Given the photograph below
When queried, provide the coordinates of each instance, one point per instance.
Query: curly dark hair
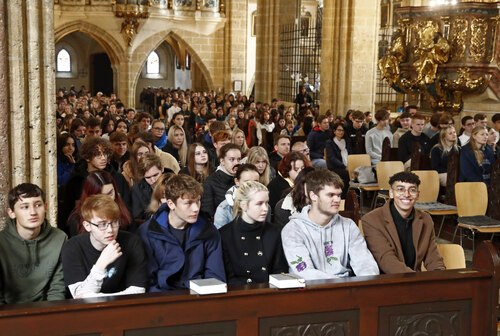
(95, 146)
(406, 177)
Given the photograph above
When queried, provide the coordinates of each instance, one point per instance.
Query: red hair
(93, 185)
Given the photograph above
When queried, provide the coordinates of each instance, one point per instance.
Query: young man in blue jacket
(180, 245)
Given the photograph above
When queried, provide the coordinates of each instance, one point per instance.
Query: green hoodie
(31, 270)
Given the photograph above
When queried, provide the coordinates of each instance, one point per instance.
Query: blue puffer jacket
(201, 256)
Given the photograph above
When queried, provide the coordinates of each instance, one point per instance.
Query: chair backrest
(357, 160)
(494, 204)
(385, 169)
(453, 255)
(452, 177)
(351, 206)
(472, 198)
(386, 150)
(429, 185)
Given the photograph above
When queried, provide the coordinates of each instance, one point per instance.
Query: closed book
(208, 286)
(286, 281)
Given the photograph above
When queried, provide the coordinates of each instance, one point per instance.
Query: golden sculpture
(432, 50)
(129, 28)
(389, 64)
(444, 53)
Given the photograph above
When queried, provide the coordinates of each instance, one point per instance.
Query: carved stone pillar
(270, 14)
(28, 132)
(235, 44)
(348, 55)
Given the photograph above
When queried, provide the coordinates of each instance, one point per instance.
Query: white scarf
(343, 151)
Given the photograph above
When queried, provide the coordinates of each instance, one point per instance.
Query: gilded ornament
(459, 30)
(478, 39)
(389, 64)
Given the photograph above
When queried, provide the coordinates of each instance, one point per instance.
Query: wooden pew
(458, 302)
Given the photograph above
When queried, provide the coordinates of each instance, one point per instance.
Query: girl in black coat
(251, 247)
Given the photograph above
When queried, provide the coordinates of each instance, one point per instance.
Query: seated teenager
(258, 156)
(216, 185)
(294, 201)
(224, 213)
(288, 169)
(97, 182)
(103, 261)
(198, 165)
(180, 245)
(337, 150)
(30, 250)
(439, 153)
(321, 244)
(251, 246)
(401, 237)
(150, 169)
(476, 158)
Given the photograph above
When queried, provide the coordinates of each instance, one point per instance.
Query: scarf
(343, 151)
(162, 141)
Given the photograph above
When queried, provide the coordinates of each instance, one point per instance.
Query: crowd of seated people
(220, 186)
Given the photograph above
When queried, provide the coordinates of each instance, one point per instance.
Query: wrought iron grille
(385, 95)
(299, 58)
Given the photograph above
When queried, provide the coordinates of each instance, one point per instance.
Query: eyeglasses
(159, 129)
(400, 191)
(104, 226)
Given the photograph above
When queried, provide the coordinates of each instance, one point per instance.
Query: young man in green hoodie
(30, 249)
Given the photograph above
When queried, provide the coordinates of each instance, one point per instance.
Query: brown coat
(382, 239)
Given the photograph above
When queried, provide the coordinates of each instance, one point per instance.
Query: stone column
(235, 43)
(348, 55)
(28, 134)
(270, 14)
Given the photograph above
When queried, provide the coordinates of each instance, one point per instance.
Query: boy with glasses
(103, 261)
(355, 133)
(468, 124)
(392, 230)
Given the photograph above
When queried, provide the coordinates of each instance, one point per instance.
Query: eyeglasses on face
(160, 129)
(104, 226)
(400, 191)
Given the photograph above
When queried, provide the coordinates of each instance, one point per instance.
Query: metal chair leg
(454, 234)
(473, 241)
(441, 227)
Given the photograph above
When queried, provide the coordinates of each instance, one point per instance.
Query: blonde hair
(253, 155)
(476, 148)
(183, 150)
(244, 193)
(244, 148)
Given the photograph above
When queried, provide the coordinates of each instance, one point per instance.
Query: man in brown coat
(399, 236)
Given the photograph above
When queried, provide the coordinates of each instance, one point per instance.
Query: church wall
(251, 46)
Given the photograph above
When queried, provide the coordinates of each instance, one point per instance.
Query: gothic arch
(114, 50)
(177, 43)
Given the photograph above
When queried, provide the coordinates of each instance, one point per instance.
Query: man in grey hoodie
(321, 244)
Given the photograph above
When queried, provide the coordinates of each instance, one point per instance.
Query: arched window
(153, 64)
(63, 63)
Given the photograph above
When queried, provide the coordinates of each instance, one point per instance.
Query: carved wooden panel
(436, 318)
(342, 323)
(203, 329)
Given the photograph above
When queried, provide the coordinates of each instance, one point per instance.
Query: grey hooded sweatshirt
(323, 252)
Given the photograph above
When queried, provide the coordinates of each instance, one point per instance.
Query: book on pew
(208, 286)
(286, 280)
